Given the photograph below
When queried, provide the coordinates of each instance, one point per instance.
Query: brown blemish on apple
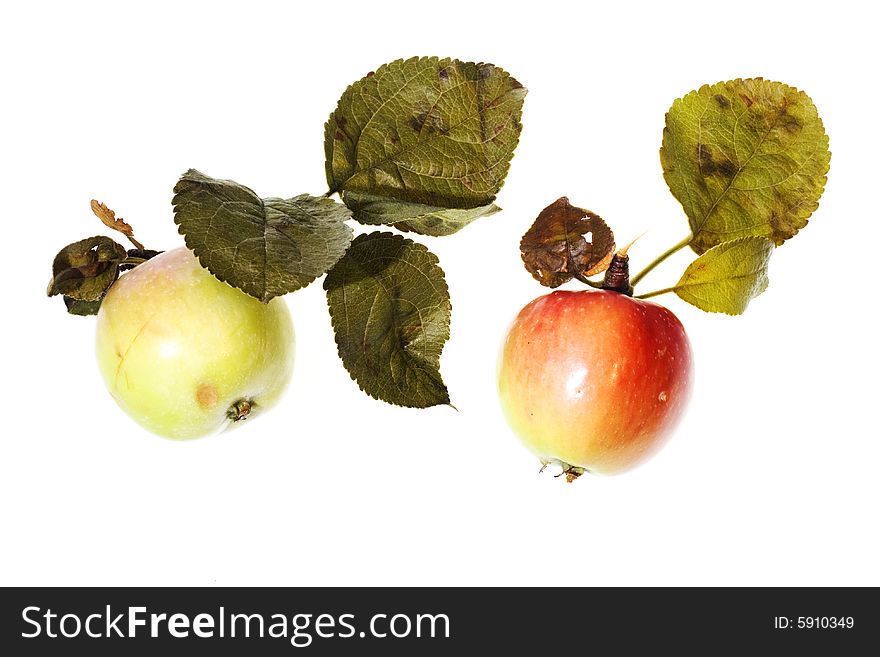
(207, 396)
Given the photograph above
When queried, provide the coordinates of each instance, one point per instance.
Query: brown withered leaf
(85, 270)
(109, 219)
(566, 241)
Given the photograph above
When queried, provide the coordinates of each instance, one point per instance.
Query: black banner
(395, 621)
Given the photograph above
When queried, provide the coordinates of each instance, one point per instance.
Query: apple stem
(583, 279)
(675, 249)
(656, 293)
(617, 275)
(240, 410)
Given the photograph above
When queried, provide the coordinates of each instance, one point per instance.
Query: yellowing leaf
(726, 277)
(745, 158)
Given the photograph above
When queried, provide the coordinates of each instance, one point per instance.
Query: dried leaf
(109, 219)
(85, 270)
(566, 241)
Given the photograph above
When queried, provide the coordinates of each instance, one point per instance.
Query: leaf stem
(133, 261)
(663, 256)
(583, 279)
(656, 293)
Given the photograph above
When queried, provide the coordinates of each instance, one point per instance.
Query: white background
(771, 479)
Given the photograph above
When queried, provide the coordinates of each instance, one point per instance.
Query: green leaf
(426, 131)
(413, 217)
(82, 308)
(390, 309)
(265, 247)
(566, 241)
(745, 157)
(85, 270)
(726, 277)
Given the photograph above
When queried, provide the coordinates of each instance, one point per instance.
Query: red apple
(594, 380)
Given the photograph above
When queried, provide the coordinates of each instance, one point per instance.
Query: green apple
(186, 355)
